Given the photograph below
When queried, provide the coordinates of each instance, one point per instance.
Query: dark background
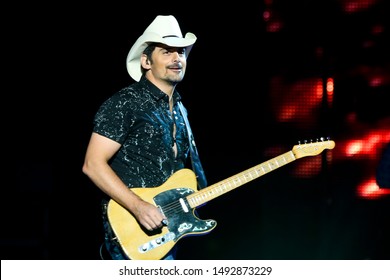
(62, 61)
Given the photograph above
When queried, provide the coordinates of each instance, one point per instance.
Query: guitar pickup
(156, 242)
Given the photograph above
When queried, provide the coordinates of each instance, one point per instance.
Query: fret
(250, 174)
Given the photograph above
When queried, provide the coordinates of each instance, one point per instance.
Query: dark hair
(148, 52)
(149, 49)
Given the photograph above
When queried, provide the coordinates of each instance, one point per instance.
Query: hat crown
(165, 26)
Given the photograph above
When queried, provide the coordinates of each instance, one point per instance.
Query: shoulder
(124, 95)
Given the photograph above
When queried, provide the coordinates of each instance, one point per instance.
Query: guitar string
(172, 207)
(175, 206)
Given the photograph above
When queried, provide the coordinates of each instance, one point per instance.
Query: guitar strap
(196, 164)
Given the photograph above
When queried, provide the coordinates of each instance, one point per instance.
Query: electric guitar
(178, 198)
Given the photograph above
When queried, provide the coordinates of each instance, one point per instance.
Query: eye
(180, 51)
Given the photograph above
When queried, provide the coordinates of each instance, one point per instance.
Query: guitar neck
(233, 182)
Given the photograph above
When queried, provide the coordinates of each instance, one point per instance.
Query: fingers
(155, 224)
(151, 217)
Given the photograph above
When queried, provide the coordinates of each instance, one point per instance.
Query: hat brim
(133, 63)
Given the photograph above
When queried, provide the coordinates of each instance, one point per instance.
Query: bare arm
(99, 151)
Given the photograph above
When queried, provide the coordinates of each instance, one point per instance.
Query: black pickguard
(181, 218)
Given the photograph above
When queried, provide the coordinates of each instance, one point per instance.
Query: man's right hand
(149, 215)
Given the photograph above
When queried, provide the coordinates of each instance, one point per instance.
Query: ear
(145, 63)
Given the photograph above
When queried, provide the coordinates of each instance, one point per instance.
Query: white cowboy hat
(165, 30)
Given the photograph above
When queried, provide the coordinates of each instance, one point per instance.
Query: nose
(175, 56)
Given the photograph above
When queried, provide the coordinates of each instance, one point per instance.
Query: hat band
(171, 36)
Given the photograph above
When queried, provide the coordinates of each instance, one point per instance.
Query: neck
(170, 102)
(167, 89)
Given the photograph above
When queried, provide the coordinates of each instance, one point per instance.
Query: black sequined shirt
(138, 118)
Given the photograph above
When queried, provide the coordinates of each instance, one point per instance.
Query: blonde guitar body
(141, 244)
(178, 198)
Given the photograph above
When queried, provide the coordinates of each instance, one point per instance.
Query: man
(140, 137)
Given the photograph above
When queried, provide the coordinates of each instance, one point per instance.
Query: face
(167, 64)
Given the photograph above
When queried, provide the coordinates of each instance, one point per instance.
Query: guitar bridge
(154, 243)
